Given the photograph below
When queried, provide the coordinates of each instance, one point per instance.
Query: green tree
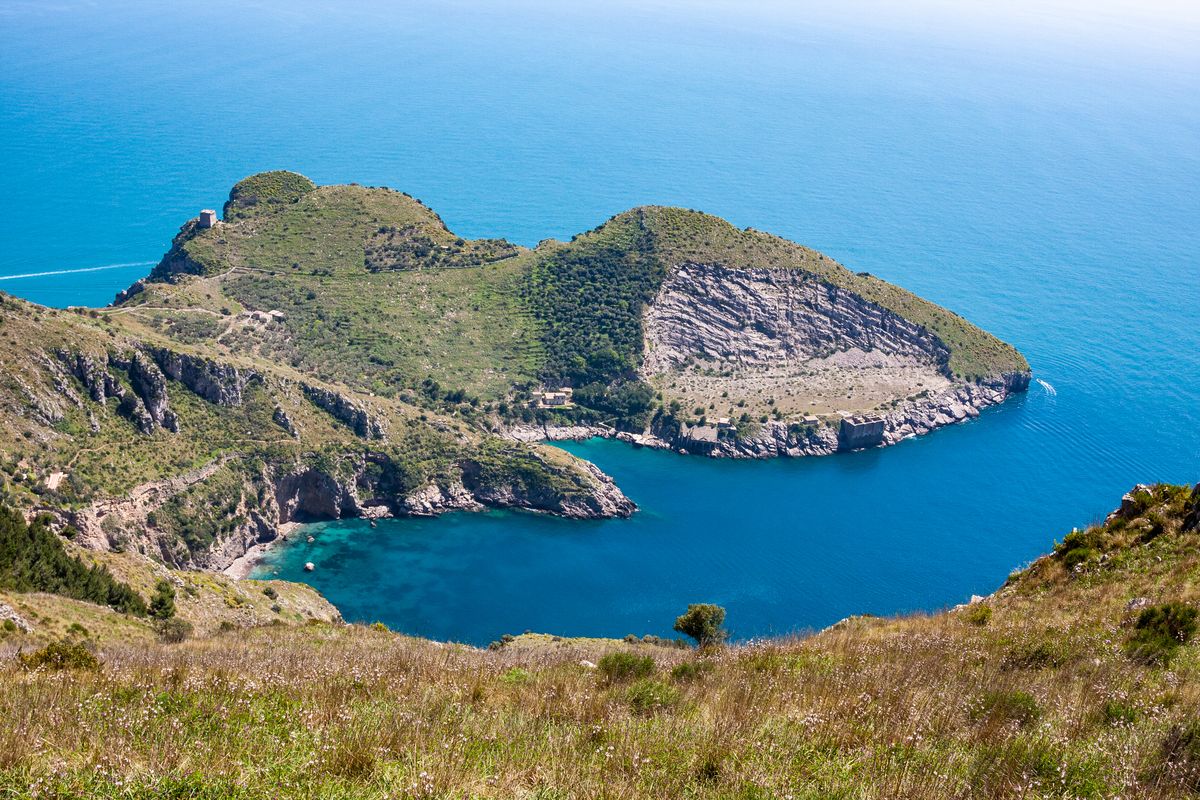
(162, 605)
(703, 622)
(33, 559)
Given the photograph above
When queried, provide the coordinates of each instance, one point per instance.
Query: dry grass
(1037, 700)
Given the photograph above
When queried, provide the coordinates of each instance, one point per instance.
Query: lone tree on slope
(703, 623)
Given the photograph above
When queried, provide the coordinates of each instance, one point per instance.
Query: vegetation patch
(624, 666)
(1160, 631)
(33, 559)
(60, 656)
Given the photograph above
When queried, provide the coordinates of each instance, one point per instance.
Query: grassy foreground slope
(1066, 683)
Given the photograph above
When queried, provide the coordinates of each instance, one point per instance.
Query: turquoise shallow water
(1045, 186)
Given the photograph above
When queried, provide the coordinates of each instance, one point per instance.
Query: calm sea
(1041, 177)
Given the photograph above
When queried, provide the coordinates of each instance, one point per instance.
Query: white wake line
(1050, 390)
(73, 271)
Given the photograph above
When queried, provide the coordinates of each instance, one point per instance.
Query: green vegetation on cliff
(378, 292)
(32, 559)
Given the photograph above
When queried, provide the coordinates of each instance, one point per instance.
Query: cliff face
(370, 485)
(801, 353)
(761, 317)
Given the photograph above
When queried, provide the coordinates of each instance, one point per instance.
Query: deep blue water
(1038, 174)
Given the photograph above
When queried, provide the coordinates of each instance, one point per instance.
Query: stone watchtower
(208, 218)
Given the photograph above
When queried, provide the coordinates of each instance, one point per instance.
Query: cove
(785, 545)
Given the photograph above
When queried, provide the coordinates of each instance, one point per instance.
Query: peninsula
(321, 352)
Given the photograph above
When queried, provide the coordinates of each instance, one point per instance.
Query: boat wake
(1050, 390)
(73, 271)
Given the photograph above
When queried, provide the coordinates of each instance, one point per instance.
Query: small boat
(309, 567)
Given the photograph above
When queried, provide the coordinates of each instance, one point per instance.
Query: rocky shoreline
(357, 486)
(773, 439)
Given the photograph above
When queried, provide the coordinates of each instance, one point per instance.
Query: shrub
(703, 622)
(1118, 714)
(978, 614)
(380, 627)
(173, 630)
(516, 676)
(60, 655)
(162, 605)
(621, 666)
(1036, 655)
(688, 671)
(1077, 556)
(1159, 631)
(9, 626)
(650, 696)
(1008, 706)
(270, 592)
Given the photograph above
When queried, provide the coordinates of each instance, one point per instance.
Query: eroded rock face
(280, 417)
(763, 316)
(344, 410)
(93, 376)
(8, 613)
(789, 336)
(310, 493)
(221, 384)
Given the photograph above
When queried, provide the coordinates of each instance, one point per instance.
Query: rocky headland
(329, 352)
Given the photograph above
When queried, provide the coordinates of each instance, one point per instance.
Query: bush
(1077, 556)
(162, 605)
(270, 592)
(621, 666)
(9, 626)
(60, 655)
(1118, 714)
(703, 622)
(1037, 655)
(1008, 706)
(689, 671)
(650, 696)
(1159, 631)
(978, 614)
(516, 676)
(173, 630)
